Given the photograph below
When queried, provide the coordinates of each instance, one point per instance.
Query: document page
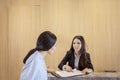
(69, 74)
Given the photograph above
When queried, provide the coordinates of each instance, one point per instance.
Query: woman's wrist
(64, 68)
(90, 70)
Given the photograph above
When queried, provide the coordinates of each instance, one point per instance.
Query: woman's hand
(68, 68)
(86, 70)
(50, 70)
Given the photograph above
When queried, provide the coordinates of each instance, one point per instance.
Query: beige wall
(21, 21)
(4, 50)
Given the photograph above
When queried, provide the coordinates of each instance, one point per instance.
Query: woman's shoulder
(35, 57)
(70, 52)
(87, 53)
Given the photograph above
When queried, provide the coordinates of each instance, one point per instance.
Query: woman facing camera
(77, 57)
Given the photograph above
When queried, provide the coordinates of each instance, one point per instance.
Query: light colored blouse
(77, 58)
(34, 68)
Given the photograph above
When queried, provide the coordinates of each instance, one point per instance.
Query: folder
(62, 74)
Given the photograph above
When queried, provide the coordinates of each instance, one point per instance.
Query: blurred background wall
(21, 22)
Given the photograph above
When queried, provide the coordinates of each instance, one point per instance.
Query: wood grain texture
(4, 49)
(23, 20)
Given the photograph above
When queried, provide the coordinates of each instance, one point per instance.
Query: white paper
(69, 74)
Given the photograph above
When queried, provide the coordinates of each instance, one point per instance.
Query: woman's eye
(73, 43)
(78, 43)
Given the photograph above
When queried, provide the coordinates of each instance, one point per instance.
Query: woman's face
(51, 50)
(77, 45)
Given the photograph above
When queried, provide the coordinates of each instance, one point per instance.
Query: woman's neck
(77, 53)
(43, 53)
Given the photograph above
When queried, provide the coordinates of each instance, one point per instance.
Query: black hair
(83, 58)
(45, 41)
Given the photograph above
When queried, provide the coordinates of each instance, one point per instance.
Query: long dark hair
(83, 59)
(45, 41)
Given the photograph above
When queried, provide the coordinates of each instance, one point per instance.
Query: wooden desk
(91, 76)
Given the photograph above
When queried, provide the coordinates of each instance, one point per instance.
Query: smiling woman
(77, 57)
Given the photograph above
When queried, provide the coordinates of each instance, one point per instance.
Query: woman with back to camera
(77, 57)
(34, 64)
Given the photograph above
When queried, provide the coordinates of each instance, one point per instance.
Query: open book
(62, 74)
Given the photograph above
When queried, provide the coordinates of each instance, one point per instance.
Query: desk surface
(92, 76)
